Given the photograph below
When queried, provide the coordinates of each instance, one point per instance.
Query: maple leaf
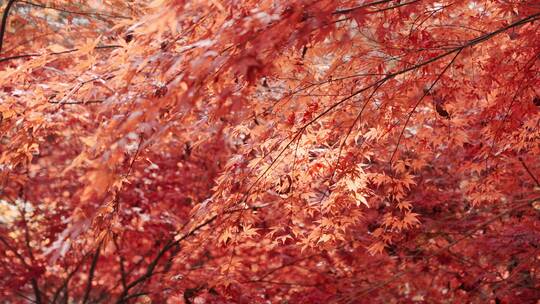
(376, 248)
(362, 200)
(410, 219)
(283, 238)
(249, 231)
(324, 238)
(404, 205)
(225, 236)
(372, 134)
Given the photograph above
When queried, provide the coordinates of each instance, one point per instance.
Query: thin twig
(352, 9)
(65, 283)
(33, 281)
(426, 92)
(529, 171)
(112, 46)
(85, 13)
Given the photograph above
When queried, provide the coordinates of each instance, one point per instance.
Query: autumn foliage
(284, 151)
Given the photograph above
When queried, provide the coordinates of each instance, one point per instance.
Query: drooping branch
(329, 109)
(426, 92)
(143, 272)
(356, 120)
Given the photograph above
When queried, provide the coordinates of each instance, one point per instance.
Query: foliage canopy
(270, 151)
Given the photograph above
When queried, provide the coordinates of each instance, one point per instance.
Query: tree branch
(529, 171)
(26, 232)
(33, 281)
(123, 275)
(91, 274)
(77, 102)
(148, 273)
(426, 92)
(113, 46)
(85, 13)
(470, 43)
(352, 9)
(4, 22)
(170, 244)
(64, 284)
